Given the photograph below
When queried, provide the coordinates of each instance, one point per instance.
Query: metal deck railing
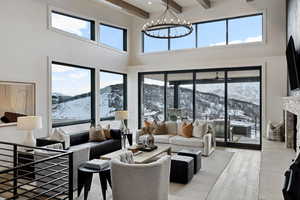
(35, 172)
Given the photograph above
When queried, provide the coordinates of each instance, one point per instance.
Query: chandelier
(168, 26)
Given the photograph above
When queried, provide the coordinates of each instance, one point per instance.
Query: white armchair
(141, 181)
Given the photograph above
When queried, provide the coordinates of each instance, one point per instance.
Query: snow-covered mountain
(243, 102)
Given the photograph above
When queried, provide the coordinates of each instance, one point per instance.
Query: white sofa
(207, 144)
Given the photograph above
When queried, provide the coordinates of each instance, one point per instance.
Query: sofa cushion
(59, 134)
(96, 134)
(182, 141)
(187, 130)
(171, 128)
(165, 139)
(101, 148)
(200, 128)
(159, 128)
(179, 128)
(79, 138)
(98, 149)
(162, 138)
(115, 134)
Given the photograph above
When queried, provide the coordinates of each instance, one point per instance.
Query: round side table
(85, 177)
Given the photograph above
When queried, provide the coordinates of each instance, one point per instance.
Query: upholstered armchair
(141, 181)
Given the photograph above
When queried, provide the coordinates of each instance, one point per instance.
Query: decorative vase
(150, 140)
(123, 140)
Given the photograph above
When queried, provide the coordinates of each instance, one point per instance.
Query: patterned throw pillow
(160, 128)
(148, 127)
(187, 130)
(97, 134)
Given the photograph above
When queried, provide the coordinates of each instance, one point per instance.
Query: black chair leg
(103, 184)
(87, 185)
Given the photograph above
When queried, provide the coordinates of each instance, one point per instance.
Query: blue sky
(112, 37)
(74, 81)
(72, 25)
(240, 30)
(70, 80)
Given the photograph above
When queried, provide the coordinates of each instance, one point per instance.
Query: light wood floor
(254, 175)
(240, 180)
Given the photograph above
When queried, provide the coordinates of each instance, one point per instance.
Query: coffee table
(142, 157)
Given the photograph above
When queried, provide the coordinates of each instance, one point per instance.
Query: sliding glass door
(153, 90)
(243, 105)
(229, 99)
(210, 100)
(182, 86)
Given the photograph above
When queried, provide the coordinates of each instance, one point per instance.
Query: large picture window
(238, 30)
(113, 95)
(75, 25)
(113, 36)
(72, 94)
(229, 99)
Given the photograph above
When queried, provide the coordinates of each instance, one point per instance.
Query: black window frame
(92, 22)
(116, 27)
(93, 100)
(194, 82)
(124, 91)
(209, 21)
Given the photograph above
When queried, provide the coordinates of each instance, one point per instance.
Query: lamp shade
(121, 115)
(29, 123)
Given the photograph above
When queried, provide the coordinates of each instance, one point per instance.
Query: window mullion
(227, 37)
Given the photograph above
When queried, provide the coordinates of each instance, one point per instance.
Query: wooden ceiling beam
(205, 3)
(130, 8)
(175, 6)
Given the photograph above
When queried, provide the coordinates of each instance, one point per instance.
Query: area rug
(199, 187)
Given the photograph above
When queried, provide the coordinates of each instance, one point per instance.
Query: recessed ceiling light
(149, 2)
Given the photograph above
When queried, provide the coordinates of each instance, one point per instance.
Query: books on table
(97, 164)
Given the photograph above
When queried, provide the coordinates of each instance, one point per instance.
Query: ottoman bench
(196, 154)
(182, 169)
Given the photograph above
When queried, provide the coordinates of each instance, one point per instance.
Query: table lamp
(29, 124)
(122, 115)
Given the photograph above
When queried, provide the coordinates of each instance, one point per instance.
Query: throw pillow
(106, 132)
(59, 134)
(179, 128)
(200, 128)
(171, 128)
(160, 128)
(148, 127)
(187, 130)
(96, 134)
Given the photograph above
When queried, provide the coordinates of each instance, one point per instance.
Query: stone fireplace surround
(291, 106)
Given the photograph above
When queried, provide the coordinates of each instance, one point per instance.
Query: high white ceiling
(158, 5)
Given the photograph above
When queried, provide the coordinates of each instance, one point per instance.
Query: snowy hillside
(243, 102)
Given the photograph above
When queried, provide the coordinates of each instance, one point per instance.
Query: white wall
(26, 43)
(269, 54)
